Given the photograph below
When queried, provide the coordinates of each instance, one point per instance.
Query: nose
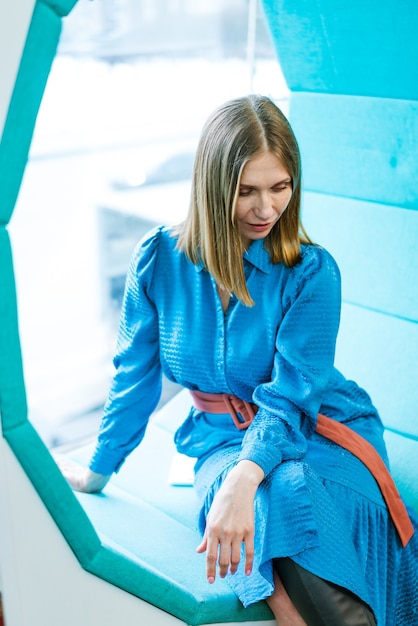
(264, 205)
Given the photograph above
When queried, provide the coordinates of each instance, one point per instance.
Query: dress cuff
(266, 458)
(105, 461)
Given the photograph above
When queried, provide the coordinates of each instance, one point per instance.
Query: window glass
(131, 85)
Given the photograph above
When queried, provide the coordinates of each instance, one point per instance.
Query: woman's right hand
(230, 522)
(81, 478)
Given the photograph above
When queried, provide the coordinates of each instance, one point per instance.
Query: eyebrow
(280, 182)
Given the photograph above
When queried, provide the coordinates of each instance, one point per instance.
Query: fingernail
(211, 579)
(247, 572)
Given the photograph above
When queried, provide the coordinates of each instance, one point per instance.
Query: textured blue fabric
(318, 503)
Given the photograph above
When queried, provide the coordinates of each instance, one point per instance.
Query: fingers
(229, 555)
(72, 473)
(202, 545)
(211, 559)
(235, 556)
(225, 555)
(81, 478)
(249, 554)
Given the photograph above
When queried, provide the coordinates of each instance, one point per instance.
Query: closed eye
(245, 190)
(282, 187)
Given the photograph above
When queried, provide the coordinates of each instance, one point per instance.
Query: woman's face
(264, 193)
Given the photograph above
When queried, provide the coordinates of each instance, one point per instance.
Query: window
(130, 88)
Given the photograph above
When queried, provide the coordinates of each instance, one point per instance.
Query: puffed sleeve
(304, 360)
(136, 385)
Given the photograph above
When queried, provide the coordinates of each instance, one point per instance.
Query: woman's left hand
(230, 522)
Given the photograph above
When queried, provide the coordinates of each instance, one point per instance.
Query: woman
(240, 307)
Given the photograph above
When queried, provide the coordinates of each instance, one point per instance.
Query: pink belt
(243, 413)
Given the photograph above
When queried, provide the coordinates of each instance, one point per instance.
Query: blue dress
(318, 504)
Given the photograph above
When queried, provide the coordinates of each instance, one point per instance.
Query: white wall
(15, 16)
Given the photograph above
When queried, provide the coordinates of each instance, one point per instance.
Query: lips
(260, 227)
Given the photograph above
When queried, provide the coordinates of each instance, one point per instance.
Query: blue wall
(352, 68)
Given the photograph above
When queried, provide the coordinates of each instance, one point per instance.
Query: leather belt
(242, 414)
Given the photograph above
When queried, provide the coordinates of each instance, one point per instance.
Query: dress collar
(256, 255)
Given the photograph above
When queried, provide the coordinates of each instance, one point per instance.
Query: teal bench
(153, 524)
(140, 533)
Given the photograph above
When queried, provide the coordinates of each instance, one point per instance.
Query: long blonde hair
(235, 133)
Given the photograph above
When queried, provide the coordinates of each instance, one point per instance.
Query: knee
(319, 601)
(282, 607)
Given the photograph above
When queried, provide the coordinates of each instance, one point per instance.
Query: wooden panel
(375, 247)
(380, 353)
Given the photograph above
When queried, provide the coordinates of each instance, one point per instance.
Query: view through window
(130, 88)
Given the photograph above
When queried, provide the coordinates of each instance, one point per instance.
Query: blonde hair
(235, 133)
